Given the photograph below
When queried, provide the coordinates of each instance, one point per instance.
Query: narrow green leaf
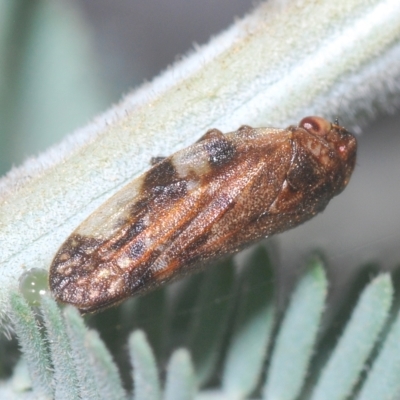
(253, 326)
(56, 54)
(346, 364)
(21, 380)
(383, 381)
(150, 315)
(77, 330)
(210, 318)
(181, 380)
(12, 35)
(145, 374)
(297, 335)
(214, 394)
(106, 375)
(336, 319)
(65, 379)
(32, 346)
(183, 301)
(8, 14)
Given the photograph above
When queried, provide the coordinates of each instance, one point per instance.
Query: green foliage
(181, 382)
(65, 374)
(227, 343)
(253, 325)
(297, 335)
(209, 323)
(45, 55)
(33, 346)
(77, 333)
(383, 380)
(347, 360)
(145, 374)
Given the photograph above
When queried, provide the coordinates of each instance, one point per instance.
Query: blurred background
(63, 62)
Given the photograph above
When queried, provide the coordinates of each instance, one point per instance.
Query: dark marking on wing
(77, 247)
(132, 231)
(220, 151)
(136, 249)
(162, 174)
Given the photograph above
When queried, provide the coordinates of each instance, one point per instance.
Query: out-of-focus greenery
(49, 78)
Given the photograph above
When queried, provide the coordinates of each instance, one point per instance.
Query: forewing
(230, 219)
(107, 256)
(160, 223)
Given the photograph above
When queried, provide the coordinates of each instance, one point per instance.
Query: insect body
(208, 200)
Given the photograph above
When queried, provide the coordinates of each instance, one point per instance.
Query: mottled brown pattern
(206, 201)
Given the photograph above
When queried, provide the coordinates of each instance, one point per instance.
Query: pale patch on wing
(105, 221)
(160, 265)
(123, 262)
(103, 274)
(146, 220)
(192, 184)
(148, 241)
(193, 160)
(93, 294)
(116, 286)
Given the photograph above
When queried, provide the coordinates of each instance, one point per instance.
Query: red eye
(316, 125)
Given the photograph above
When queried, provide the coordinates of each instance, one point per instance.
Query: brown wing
(210, 199)
(231, 218)
(147, 232)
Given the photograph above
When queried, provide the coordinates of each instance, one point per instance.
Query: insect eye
(316, 125)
